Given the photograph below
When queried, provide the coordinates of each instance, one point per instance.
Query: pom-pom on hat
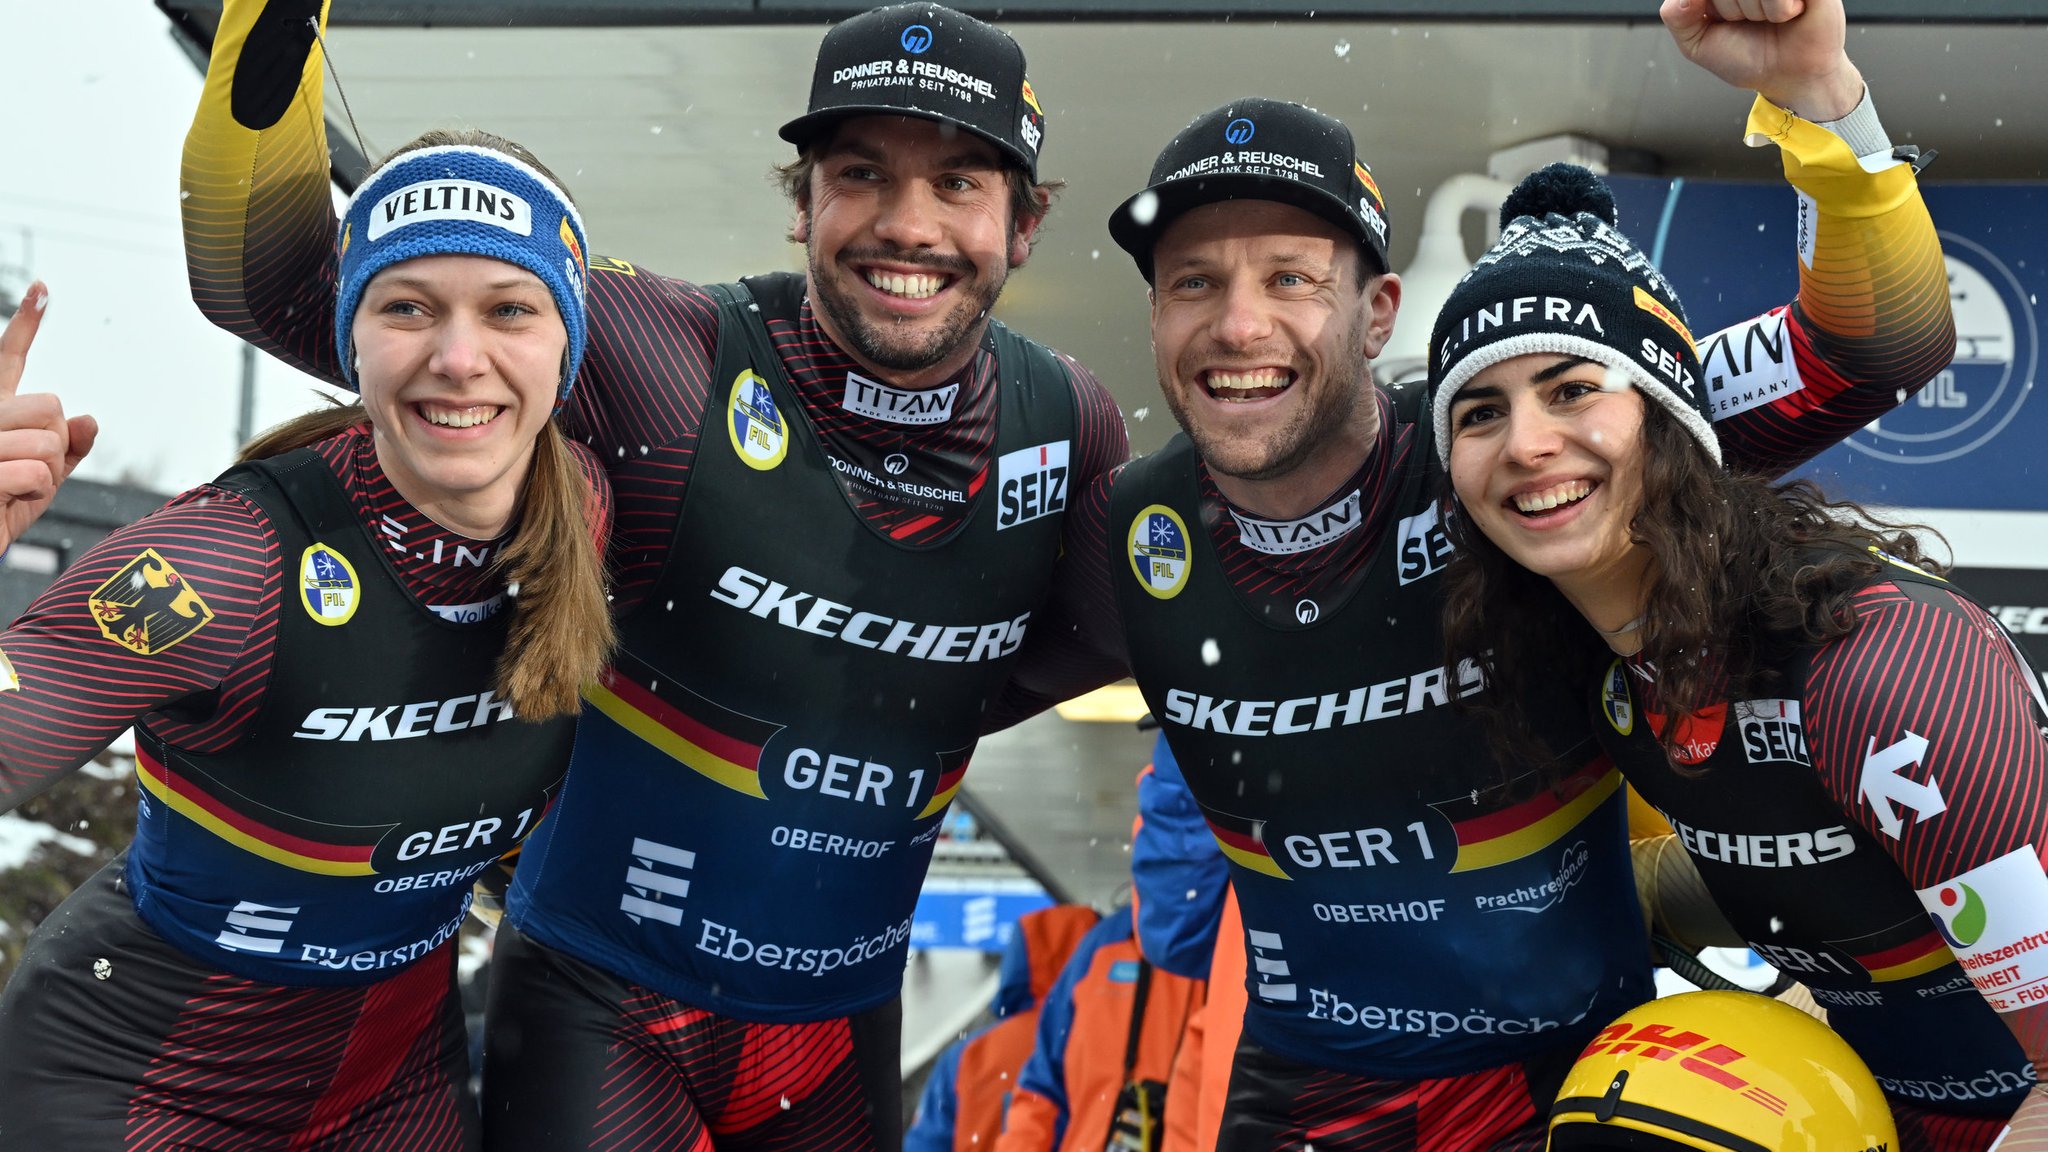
(1562, 278)
(1257, 149)
(460, 199)
(929, 61)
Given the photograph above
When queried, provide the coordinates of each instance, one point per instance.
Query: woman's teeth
(460, 417)
(1544, 501)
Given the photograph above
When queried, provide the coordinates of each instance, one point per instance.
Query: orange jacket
(1201, 1075)
(1066, 1096)
(961, 1109)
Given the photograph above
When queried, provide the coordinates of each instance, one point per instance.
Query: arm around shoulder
(254, 187)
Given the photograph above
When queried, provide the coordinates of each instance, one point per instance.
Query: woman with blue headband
(352, 664)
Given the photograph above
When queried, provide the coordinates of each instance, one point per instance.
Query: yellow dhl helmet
(1720, 1072)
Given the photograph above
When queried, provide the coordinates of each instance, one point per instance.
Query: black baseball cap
(930, 61)
(1257, 149)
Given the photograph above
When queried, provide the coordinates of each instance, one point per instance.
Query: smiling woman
(352, 663)
(1782, 677)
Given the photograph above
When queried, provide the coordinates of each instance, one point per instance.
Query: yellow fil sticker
(1615, 701)
(759, 433)
(10, 681)
(328, 587)
(1159, 551)
(147, 607)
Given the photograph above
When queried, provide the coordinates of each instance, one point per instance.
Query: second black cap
(1257, 149)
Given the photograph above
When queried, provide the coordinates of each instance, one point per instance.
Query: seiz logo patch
(1771, 733)
(1425, 547)
(450, 200)
(1749, 365)
(328, 588)
(758, 432)
(1995, 919)
(1158, 550)
(147, 607)
(878, 401)
(1030, 483)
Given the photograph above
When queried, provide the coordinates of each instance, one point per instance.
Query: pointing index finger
(19, 335)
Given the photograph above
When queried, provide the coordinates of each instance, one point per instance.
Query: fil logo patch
(646, 883)
(147, 607)
(1158, 548)
(759, 433)
(253, 927)
(1994, 917)
(1616, 702)
(328, 588)
(1030, 483)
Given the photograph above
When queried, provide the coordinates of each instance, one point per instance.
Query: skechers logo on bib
(1031, 482)
(404, 721)
(1403, 696)
(451, 200)
(1766, 850)
(878, 401)
(757, 595)
(1287, 537)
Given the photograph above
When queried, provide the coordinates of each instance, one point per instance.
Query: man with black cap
(1432, 934)
(825, 559)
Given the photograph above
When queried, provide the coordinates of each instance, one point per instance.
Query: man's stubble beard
(1290, 446)
(915, 352)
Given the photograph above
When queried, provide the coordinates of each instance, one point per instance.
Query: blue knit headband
(463, 200)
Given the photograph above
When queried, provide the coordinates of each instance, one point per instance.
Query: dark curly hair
(1745, 571)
